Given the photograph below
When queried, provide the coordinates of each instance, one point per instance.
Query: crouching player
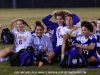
(87, 43)
(41, 43)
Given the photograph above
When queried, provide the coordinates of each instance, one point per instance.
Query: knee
(92, 59)
(8, 49)
(50, 55)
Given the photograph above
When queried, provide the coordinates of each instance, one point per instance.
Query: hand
(55, 12)
(65, 36)
(46, 49)
(32, 28)
(45, 28)
(78, 45)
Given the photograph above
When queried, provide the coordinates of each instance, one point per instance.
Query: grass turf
(30, 16)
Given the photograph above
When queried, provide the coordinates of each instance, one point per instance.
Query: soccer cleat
(40, 64)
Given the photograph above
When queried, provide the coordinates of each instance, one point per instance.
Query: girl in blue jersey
(42, 42)
(87, 43)
(56, 27)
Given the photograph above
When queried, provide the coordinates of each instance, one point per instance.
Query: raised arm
(76, 19)
(48, 23)
(11, 23)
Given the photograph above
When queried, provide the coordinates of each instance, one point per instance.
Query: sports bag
(25, 57)
(7, 37)
(73, 59)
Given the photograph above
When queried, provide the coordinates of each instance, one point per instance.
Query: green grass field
(30, 16)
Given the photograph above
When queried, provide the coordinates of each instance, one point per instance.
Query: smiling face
(39, 31)
(20, 25)
(85, 31)
(59, 20)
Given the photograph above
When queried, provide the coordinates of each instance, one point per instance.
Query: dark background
(48, 3)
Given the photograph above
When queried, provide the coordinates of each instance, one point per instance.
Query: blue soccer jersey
(85, 42)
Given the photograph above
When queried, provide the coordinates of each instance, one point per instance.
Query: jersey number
(20, 42)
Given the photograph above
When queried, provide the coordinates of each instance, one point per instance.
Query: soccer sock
(44, 60)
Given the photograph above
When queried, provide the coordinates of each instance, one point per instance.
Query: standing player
(56, 27)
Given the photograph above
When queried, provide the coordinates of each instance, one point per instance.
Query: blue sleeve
(77, 40)
(48, 23)
(94, 41)
(76, 19)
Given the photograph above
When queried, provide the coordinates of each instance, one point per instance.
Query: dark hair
(94, 23)
(38, 23)
(88, 25)
(98, 19)
(24, 22)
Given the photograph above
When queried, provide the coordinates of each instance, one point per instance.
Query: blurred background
(48, 3)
